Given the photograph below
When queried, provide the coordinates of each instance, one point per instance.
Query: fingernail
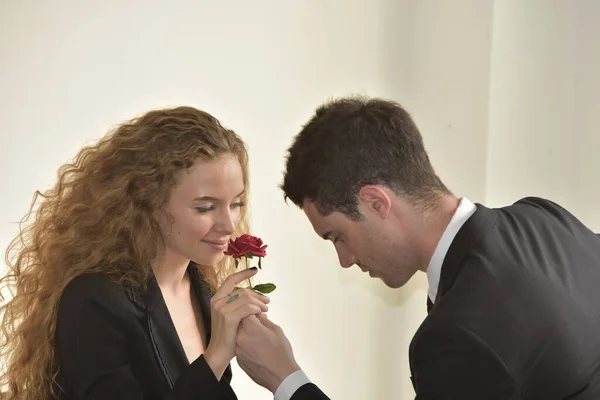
(253, 268)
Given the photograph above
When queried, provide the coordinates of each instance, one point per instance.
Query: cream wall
(544, 97)
(482, 78)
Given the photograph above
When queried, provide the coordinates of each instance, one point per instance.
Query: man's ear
(375, 200)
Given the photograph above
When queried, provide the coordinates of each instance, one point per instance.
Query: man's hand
(264, 352)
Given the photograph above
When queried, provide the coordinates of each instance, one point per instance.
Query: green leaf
(259, 264)
(248, 255)
(236, 288)
(237, 262)
(265, 287)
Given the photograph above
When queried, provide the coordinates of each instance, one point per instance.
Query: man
(514, 292)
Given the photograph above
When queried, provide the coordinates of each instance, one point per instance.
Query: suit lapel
(165, 341)
(473, 230)
(203, 294)
(163, 335)
(429, 304)
(164, 338)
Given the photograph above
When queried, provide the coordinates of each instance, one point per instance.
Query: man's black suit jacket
(119, 343)
(517, 315)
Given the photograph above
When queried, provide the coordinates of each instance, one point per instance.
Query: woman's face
(206, 207)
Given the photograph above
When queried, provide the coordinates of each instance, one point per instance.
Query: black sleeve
(309, 392)
(454, 363)
(93, 349)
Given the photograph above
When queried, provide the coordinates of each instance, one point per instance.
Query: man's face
(377, 246)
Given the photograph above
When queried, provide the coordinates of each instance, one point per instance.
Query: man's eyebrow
(326, 235)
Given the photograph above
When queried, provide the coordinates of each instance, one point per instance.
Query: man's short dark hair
(356, 141)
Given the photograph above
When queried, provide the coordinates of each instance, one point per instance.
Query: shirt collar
(434, 270)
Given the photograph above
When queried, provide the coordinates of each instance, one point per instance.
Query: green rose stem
(249, 282)
(263, 287)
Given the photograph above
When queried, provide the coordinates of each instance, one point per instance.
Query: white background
(506, 94)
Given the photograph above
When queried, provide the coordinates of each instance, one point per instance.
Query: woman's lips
(217, 244)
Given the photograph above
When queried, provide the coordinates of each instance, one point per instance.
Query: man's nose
(346, 260)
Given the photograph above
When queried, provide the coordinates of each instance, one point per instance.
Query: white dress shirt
(464, 211)
(434, 270)
(290, 384)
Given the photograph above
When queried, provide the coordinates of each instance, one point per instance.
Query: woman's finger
(240, 293)
(234, 305)
(243, 311)
(238, 298)
(232, 280)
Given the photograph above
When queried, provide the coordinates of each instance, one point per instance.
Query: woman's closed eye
(238, 204)
(205, 209)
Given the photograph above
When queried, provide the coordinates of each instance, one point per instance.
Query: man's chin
(393, 283)
(382, 278)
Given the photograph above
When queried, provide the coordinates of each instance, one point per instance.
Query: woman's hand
(228, 309)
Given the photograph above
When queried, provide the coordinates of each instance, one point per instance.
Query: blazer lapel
(203, 294)
(473, 230)
(163, 336)
(429, 304)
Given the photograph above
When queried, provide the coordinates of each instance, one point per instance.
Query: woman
(116, 277)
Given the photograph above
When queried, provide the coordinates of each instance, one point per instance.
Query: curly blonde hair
(100, 217)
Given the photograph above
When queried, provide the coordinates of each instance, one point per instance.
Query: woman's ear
(375, 200)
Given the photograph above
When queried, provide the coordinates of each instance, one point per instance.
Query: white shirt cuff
(290, 384)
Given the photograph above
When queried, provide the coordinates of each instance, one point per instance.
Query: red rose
(246, 245)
